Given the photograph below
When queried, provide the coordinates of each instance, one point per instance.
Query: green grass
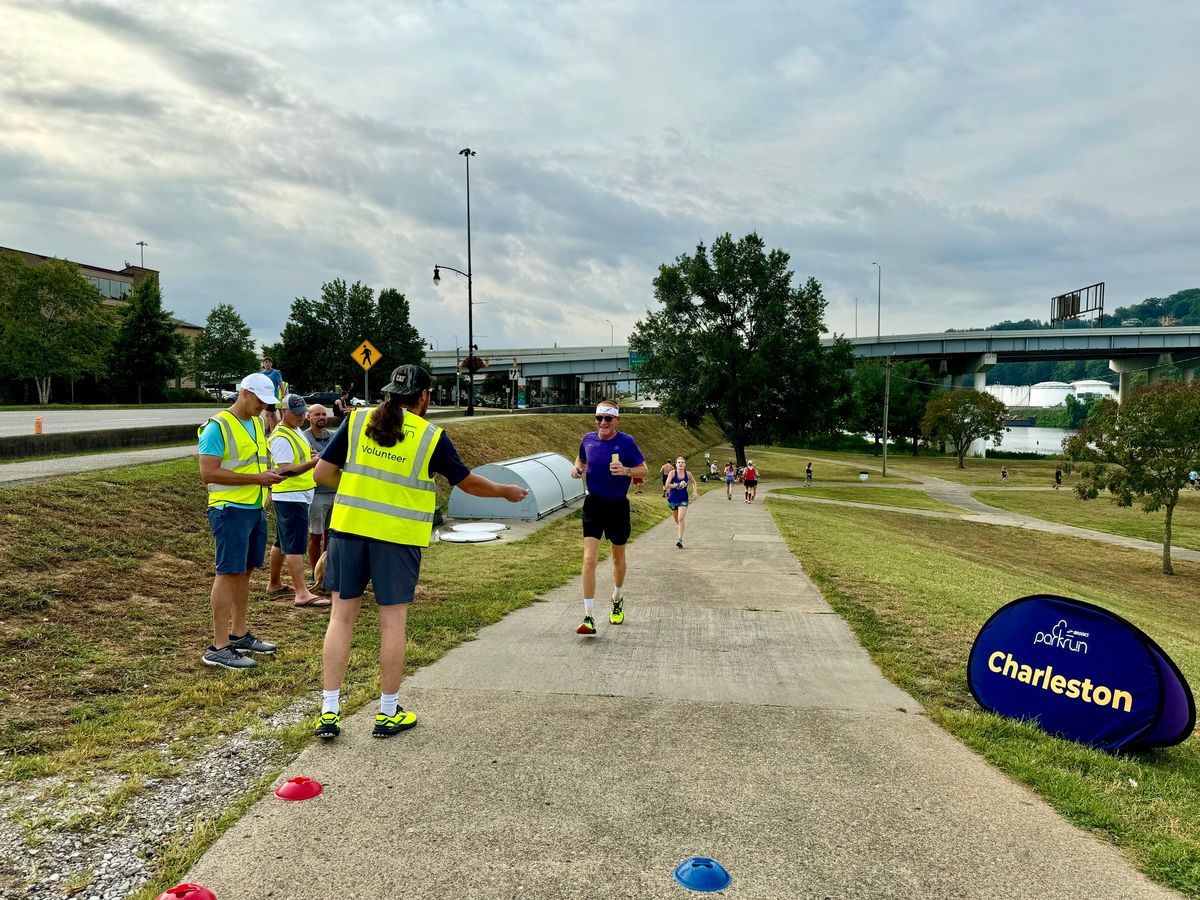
(104, 594)
(1021, 472)
(916, 591)
(1102, 514)
(108, 450)
(907, 498)
(775, 464)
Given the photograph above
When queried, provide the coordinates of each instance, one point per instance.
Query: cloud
(988, 158)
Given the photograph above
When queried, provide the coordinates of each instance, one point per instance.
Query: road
(61, 421)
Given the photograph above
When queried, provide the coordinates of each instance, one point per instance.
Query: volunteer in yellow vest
(234, 467)
(291, 500)
(382, 462)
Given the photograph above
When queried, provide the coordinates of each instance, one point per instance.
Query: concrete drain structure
(547, 477)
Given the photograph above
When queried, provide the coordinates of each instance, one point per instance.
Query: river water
(1028, 440)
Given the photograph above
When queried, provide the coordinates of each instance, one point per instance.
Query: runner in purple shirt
(608, 460)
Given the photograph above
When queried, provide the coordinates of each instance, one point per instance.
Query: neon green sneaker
(617, 616)
(328, 726)
(387, 726)
(588, 626)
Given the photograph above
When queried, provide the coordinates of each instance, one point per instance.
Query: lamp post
(466, 152)
(142, 245)
(878, 302)
(612, 342)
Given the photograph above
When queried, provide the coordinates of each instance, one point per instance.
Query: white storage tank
(1050, 393)
(547, 477)
(1092, 387)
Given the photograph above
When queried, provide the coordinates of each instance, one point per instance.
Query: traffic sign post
(366, 356)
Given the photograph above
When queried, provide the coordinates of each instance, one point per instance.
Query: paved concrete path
(733, 715)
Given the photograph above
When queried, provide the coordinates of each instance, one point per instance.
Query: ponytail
(386, 427)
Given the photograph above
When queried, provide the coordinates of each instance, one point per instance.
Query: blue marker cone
(702, 874)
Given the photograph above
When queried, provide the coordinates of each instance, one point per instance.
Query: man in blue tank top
(609, 460)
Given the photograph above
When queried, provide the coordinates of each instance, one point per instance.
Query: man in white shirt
(293, 455)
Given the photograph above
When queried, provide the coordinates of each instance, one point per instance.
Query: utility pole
(887, 392)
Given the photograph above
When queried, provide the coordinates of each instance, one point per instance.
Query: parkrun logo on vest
(1063, 637)
(375, 451)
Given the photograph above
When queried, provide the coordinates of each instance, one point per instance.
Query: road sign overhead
(365, 355)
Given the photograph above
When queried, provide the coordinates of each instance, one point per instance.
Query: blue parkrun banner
(1082, 673)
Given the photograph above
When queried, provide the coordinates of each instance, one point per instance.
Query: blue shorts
(671, 505)
(392, 569)
(241, 536)
(291, 527)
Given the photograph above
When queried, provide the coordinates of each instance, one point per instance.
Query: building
(114, 285)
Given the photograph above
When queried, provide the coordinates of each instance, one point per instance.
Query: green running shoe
(328, 726)
(617, 616)
(388, 726)
(587, 627)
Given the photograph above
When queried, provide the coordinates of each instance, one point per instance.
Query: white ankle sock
(331, 701)
(588, 603)
(388, 703)
(618, 593)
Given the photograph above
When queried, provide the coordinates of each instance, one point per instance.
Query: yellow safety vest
(243, 455)
(387, 493)
(302, 453)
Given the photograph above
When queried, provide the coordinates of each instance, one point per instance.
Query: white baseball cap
(261, 387)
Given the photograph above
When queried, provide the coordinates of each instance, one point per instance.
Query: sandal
(318, 602)
(278, 592)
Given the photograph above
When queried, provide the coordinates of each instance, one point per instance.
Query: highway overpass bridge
(571, 374)
(965, 357)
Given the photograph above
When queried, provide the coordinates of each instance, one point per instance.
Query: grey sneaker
(227, 658)
(248, 643)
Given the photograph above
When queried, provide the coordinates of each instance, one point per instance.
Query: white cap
(606, 408)
(261, 387)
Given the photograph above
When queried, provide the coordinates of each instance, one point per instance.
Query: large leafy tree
(148, 347)
(912, 384)
(1142, 449)
(314, 350)
(53, 323)
(962, 417)
(734, 338)
(223, 354)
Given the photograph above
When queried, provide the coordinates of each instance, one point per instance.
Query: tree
(147, 348)
(962, 417)
(912, 385)
(314, 350)
(735, 339)
(224, 351)
(1142, 449)
(52, 323)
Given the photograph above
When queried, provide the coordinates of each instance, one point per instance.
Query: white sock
(588, 603)
(618, 593)
(388, 703)
(331, 701)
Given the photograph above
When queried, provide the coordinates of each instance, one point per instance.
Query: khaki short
(319, 513)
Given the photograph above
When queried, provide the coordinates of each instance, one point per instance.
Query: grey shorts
(319, 513)
(392, 569)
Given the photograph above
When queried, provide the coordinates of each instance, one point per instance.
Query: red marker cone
(300, 788)
(187, 892)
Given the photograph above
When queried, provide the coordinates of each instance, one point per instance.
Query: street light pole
(612, 341)
(467, 152)
(856, 317)
(470, 410)
(142, 245)
(879, 303)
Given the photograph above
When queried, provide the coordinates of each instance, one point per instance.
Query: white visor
(607, 409)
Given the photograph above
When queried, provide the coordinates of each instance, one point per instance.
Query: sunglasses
(605, 418)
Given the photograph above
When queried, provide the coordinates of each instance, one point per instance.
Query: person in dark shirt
(376, 463)
(609, 460)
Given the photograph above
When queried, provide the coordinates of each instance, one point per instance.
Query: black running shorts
(606, 518)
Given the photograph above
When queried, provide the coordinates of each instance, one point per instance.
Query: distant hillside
(1181, 308)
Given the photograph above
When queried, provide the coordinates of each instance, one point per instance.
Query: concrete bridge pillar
(971, 371)
(1127, 366)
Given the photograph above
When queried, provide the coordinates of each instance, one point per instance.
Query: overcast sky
(989, 155)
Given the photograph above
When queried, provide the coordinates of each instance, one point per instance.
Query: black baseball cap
(407, 381)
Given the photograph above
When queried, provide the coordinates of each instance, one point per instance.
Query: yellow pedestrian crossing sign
(365, 355)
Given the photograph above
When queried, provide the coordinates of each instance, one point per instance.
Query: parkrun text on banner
(1082, 673)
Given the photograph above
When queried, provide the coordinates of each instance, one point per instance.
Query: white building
(1091, 387)
(1050, 393)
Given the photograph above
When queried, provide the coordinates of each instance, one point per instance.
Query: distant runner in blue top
(679, 483)
(609, 460)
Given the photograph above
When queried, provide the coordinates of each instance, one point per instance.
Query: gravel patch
(56, 843)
